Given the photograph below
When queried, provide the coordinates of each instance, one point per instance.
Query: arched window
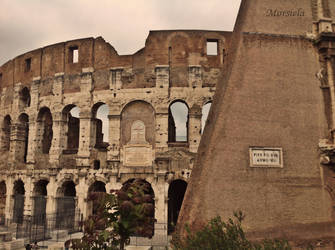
(205, 111)
(138, 111)
(40, 202)
(44, 121)
(3, 195)
(24, 98)
(66, 206)
(176, 194)
(96, 187)
(100, 113)
(6, 130)
(18, 208)
(140, 189)
(71, 116)
(24, 134)
(178, 122)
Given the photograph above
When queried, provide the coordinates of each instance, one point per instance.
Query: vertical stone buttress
(86, 130)
(34, 105)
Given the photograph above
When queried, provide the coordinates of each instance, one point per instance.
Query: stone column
(113, 154)
(9, 199)
(17, 142)
(86, 138)
(86, 129)
(160, 207)
(59, 138)
(194, 128)
(28, 188)
(52, 194)
(162, 122)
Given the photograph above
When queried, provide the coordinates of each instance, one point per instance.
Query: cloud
(27, 25)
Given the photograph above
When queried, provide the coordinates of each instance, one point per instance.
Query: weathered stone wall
(138, 90)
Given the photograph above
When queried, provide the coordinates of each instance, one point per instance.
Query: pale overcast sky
(30, 24)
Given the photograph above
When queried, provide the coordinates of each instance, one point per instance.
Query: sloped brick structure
(271, 124)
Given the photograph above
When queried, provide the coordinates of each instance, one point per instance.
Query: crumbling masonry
(53, 148)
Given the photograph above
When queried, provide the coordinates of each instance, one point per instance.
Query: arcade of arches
(82, 128)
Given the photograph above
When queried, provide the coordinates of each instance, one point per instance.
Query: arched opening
(23, 134)
(205, 111)
(96, 187)
(71, 117)
(40, 202)
(66, 206)
(18, 208)
(141, 191)
(6, 130)
(176, 194)
(138, 111)
(100, 119)
(96, 165)
(178, 122)
(3, 195)
(45, 132)
(24, 98)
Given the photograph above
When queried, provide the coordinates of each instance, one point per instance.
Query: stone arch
(40, 202)
(3, 195)
(204, 114)
(134, 111)
(6, 131)
(147, 189)
(95, 187)
(25, 98)
(178, 121)
(23, 137)
(66, 205)
(70, 116)
(45, 132)
(19, 197)
(100, 121)
(176, 192)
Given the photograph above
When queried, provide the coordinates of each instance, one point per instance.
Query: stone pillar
(28, 188)
(86, 128)
(115, 82)
(52, 194)
(81, 192)
(86, 138)
(160, 206)
(194, 76)
(16, 97)
(162, 122)
(17, 142)
(59, 138)
(194, 128)
(114, 117)
(9, 199)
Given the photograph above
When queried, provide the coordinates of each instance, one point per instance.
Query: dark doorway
(66, 206)
(176, 194)
(18, 202)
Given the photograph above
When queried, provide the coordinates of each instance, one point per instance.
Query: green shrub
(223, 235)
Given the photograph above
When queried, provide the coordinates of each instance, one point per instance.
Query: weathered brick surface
(269, 97)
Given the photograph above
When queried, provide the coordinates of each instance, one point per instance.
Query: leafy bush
(224, 235)
(118, 215)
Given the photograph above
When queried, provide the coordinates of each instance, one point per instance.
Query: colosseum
(77, 117)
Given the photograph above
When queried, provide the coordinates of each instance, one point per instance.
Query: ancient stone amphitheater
(76, 117)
